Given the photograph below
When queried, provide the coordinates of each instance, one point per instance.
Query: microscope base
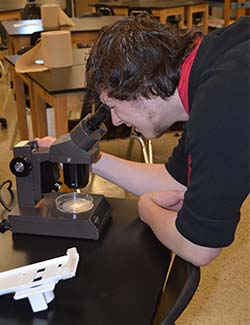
(45, 219)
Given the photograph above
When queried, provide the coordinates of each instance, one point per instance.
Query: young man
(151, 78)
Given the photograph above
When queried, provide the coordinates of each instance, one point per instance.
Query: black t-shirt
(216, 138)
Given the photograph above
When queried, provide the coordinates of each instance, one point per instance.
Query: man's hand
(45, 142)
(171, 200)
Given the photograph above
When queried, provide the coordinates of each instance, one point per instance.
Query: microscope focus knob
(20, 166)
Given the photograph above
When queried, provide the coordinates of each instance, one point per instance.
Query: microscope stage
(46, 219)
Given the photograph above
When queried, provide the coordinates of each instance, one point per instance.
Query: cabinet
(241, 8)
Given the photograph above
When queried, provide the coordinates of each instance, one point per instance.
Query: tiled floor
(223, 297)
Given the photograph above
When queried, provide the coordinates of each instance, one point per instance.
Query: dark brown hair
(138, 57)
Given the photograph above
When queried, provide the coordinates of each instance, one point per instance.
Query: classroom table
(85, 30)
(163, 9)
(119, 278)
(62, 88)
(11, 10)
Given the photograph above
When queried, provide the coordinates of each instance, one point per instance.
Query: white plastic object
(37, 281)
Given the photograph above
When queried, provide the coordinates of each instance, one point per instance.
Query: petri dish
(74, 202)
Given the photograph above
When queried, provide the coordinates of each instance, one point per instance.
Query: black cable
(4, 204)
(5, 224)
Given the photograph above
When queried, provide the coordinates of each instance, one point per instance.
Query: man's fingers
(45, 142)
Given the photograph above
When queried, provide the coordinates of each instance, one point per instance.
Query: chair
(31, 10)
(173, 21)
(104, 9)
(197, 18)
(34, 39)
(182, 283)
(134, 11)
(3, 123)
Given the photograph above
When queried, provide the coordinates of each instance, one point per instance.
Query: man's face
(146, 115)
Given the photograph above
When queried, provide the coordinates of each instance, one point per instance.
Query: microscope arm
(81, 145)
(64, 150)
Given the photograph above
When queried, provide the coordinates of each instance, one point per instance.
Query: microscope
(38, 182)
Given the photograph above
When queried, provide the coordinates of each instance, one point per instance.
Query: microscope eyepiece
(100, 116)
